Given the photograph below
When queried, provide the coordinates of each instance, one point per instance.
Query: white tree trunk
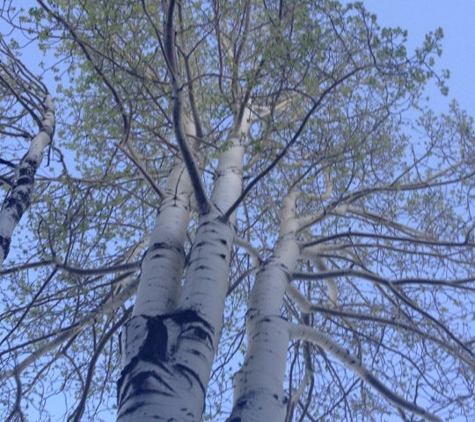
(20, 196)
(157, 294)
(162, 268)
(167, 357)
(258, 386)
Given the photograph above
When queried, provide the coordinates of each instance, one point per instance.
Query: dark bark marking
(5, 245)
(188, 373)
(140, 382)
(189, 316)
(162, 245)
(241, 403)
(24, 179)
(133, 408)
(18, 202)
(155, 345)
(155, 349)
(197, 333)
(203, 267)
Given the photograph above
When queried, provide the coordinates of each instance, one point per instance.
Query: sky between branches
(418, 17)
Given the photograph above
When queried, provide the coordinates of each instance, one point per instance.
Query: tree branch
(178, 124)
(289, 144)
(352, 362)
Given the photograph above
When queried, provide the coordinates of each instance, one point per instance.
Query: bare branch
(352, 362)
(178, 107)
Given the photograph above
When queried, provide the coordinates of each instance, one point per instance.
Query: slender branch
(412, 240)
(27, 309)
(78, 412)
(132, 157)
(191, 91)
(112, 304)
(346, 272)
(203, 204)
(84, 49)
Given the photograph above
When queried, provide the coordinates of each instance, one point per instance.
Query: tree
(254, 193)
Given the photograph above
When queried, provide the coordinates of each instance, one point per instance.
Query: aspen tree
(255, 197)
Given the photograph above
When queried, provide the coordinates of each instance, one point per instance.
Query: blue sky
(456, 17)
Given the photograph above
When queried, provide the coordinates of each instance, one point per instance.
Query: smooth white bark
(206, 283)
(144, 338)
(162, 268)
(19, 199)
(258, 391)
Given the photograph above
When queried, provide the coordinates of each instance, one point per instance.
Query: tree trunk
(167, 356)
(258, 386)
